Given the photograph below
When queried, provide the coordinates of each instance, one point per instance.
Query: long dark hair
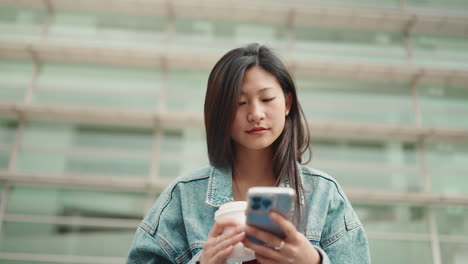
(224, 85)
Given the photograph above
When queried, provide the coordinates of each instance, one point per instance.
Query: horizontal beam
(143, 185)
(173, 58)
(146, 119)
(414, 198)
(377, 17)
(97, 182)
(74, 220)
(422, 237)
(55, 258)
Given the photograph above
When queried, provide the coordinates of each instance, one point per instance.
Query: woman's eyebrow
(259, 91)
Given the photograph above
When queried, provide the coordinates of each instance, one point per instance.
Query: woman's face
(261, 111)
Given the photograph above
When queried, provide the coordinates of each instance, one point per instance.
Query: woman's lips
(257, 131)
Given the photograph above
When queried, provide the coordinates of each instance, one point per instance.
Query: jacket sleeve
(343, 238)
(351, 247)
(146, 249)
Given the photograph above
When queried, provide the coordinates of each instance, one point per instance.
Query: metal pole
(4, 203)
(49, 17)
(434, 233)
(29, 93)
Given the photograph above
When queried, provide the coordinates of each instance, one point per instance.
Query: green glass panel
(448, 155)
(458, 5)
(118, 101)
(30, 200)
(169, 168)
(4, 159)
(38, 162)
(446, 5)
(65, 136)
(50, 134)
(195, 154)
(92, 164)
(349, 44)
(261, 33)
(114, 138)
(402, 252)
(444, 105)
(7, 131)
(74, 148)
(9, 94)
(447, 167)
(351, 100)
(9, 261)
(87, 164)
(183, 81)
(203, 28)
(439, 50)
(373, 179)
(451, 220)
(393, 218)
(171, 141)
(186, 90)
(368, 164)
(65, 240)
(449, 182)
(454, 253)
(99, 85)
(21, 23)
(220, 35)
(109, 29)
(235, 30)
(15, 78)
(21, 15)
(182, 151)
(106, 21)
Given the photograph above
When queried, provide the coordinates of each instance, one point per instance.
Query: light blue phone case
(263, 200)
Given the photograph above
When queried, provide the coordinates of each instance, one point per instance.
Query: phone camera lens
(255, 206)
(256, 203)
(266, 204)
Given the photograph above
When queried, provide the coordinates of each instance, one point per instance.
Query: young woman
(256, 135)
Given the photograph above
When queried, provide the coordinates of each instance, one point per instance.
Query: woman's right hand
(218, 246)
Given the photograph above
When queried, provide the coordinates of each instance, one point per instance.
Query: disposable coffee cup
(236, 211)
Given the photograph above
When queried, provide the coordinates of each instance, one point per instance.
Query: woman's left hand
(295, 248)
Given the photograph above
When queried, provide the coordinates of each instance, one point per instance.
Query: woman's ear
(289, 100)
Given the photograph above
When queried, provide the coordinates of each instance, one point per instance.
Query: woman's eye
(269, 99)
(242, 103)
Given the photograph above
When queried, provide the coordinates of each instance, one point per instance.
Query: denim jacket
(178, 224)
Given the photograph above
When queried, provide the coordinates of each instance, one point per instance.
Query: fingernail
(273, 215)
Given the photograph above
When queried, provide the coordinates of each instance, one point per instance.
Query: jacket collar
(220, 186)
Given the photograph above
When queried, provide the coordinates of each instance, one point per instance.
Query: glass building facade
(101, 106)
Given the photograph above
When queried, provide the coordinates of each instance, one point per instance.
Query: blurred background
(101, 106)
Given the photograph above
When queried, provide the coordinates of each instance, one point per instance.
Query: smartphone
(261, 201)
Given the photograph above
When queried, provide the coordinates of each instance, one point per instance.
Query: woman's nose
(256, 114)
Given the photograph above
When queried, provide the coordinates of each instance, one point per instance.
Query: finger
(220, 256)
(266, 237)
(230, 240)
(219, 226)
(288, 228)
(264, 259)
(226, 239)
(263, 251)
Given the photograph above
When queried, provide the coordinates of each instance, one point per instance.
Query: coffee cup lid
(231, 207)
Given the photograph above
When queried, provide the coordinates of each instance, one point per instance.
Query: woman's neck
(252, 168)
